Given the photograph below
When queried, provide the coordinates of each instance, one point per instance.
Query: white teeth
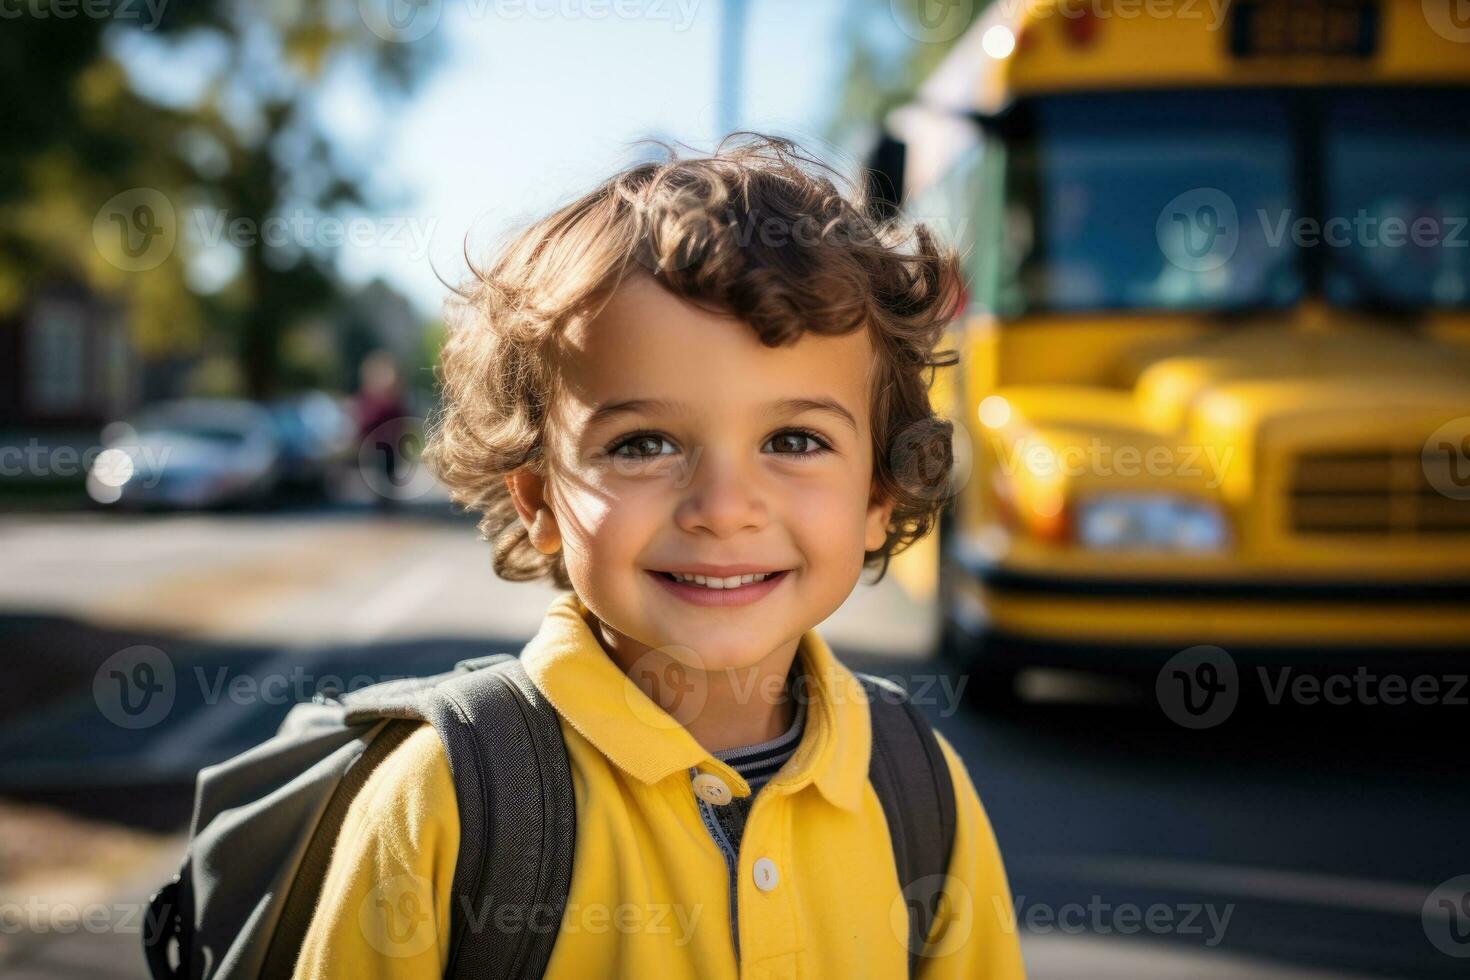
(710, 582)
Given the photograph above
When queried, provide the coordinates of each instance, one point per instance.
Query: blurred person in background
(380, 412)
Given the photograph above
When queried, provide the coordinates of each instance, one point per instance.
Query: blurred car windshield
(224, 423)
(223, 437)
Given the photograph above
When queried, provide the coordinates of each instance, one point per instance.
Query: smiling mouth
(716, 584)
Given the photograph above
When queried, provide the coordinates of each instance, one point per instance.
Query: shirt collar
(586, 686)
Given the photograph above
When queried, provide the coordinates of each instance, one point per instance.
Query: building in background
(66, 362)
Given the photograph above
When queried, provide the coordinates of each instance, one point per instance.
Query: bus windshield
(1227, 200)
(1398, 168)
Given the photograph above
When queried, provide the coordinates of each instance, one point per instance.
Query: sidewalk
(118, 955)
(75, 896)
(1099, 958)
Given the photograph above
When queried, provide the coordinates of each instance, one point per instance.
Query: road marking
(225, 602)
(1062, 957)
(401, 597)
(392, 603)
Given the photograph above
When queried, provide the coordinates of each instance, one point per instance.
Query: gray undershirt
(756, 765)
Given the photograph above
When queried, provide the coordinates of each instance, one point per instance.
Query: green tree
(892, 46)
(210, 104)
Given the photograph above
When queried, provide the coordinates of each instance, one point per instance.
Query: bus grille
(1371, 492)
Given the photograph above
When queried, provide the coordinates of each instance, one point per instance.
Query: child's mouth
(706, 595)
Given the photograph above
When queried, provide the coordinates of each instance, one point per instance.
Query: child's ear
(880, 512)
(528, 493)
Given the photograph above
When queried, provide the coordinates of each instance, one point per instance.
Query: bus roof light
(998, 41)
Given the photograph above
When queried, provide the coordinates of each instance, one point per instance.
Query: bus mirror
(1001, 125)
(884, 175)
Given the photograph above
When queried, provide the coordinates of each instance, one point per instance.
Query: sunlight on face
(681, 440)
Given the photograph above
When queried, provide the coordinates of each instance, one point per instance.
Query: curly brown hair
(759, 229)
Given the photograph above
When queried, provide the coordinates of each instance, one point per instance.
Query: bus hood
(1254, 378)
(1212, 408)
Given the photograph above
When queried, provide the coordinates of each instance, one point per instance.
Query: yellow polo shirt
(817, 888)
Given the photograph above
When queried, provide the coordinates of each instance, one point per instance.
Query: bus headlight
(1150, 520)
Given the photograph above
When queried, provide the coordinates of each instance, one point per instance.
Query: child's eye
(794, 439)
(641, 443)
(648, 445)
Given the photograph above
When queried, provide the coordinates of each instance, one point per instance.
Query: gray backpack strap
(517, 818)
(909, 774)
(266, 821)
(255, 819)
(301, 903)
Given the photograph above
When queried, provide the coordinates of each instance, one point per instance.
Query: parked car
(190, 453)
(316, 438)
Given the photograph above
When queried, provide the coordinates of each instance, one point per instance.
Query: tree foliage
(214, 104)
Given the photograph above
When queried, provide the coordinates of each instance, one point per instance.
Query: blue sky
(525, 113)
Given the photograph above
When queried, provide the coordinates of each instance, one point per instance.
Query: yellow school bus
(1215, 359)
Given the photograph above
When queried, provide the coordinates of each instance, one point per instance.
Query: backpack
(265, 822)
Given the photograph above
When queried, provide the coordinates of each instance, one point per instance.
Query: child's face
(718, 477)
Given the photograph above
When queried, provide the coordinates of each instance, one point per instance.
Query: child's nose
(721, 496)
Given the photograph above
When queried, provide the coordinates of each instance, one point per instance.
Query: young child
(686, 398)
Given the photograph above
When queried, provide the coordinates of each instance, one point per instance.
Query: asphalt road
(1281, 843)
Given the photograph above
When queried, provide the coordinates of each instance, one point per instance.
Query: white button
(766, 874)
(711, 789)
